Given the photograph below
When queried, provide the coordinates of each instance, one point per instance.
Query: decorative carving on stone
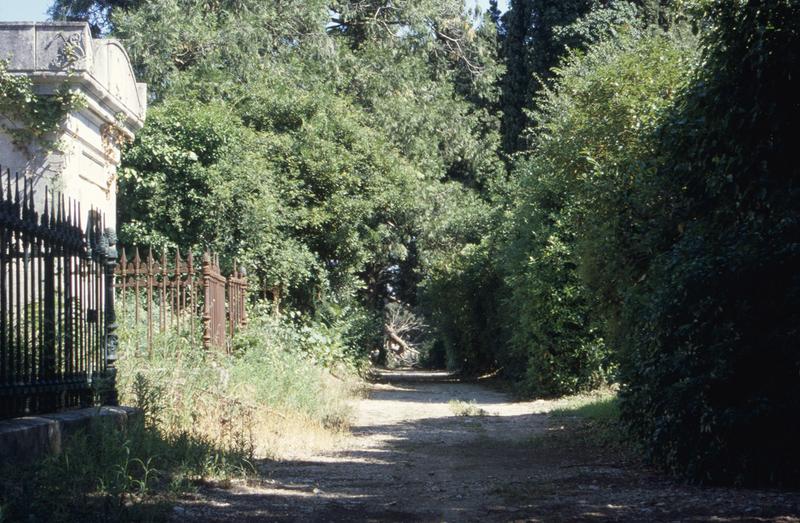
(111, 185)
(113, 137)
(70, 51)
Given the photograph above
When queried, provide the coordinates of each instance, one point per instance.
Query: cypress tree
(516, 84)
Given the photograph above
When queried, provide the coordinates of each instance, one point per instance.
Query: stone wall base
(28, 438)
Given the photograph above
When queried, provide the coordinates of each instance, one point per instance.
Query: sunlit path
(426, 447)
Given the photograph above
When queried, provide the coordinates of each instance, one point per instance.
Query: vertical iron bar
(48, 326)
(19, 345)
(192, 307)
(34, 283)
(26, 347)
(110, 318)
(178, 274)
(80, 335)
(207, 302)
(150, 303)
(123, 279)
(137, 273)
(59, 289)
(98, 306)
(5, 347)
(162, 312)
(69, 356)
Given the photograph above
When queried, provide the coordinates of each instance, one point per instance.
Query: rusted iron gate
(57, 321)
(171, 292)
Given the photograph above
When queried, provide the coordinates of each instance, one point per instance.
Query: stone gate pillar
(84, 166)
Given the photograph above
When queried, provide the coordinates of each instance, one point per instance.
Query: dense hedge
(709, 339)
(571, 216)
(528, 299)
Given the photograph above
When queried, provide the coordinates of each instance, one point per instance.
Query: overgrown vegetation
(649, 226)
(280, 387)
(570, 192)
(206, 417)
(31, 117)
(105, 474)
(708, 337)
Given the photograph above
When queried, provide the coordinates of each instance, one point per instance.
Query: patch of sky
(484, 4)
(24, 10)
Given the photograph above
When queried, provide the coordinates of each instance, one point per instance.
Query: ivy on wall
(31, 117)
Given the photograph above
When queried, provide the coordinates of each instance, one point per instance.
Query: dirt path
(410, 458)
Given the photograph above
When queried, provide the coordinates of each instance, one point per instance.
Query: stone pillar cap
(54, 52)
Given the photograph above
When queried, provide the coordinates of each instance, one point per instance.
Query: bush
(462, 297)
(460, 288)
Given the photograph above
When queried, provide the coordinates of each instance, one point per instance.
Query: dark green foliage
(96, 12)
(516, 83)
(537, 34)
(547, 44)
(495, 14)
(459, 288)
(615, 20)
(658, 12)
(300, 204)
(709, 337)
(590, 127)
(463, 298)
(297, 139)
(523, 297)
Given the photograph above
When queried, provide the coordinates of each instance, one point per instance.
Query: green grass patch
(603, 407)
(466, 408)
(207, 415)
(110, 474)
(593, 419)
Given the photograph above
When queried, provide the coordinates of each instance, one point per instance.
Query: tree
(297, 138)
(96, 12)
(547, 48)
(495, 15)
(516, 83)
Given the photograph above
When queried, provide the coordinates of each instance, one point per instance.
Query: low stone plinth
(31, 437)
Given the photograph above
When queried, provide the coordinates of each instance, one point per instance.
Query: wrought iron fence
(57, 321)
(58, 325)
(171, 292)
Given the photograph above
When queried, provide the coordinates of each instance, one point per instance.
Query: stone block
(28, 438)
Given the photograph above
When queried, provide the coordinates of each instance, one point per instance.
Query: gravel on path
(412, 458)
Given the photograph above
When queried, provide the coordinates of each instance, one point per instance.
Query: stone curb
(25, 439)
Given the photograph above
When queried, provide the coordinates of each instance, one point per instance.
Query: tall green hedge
(562, 258)
(709, 336)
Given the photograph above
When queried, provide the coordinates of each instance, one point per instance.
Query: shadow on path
(411, 458)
